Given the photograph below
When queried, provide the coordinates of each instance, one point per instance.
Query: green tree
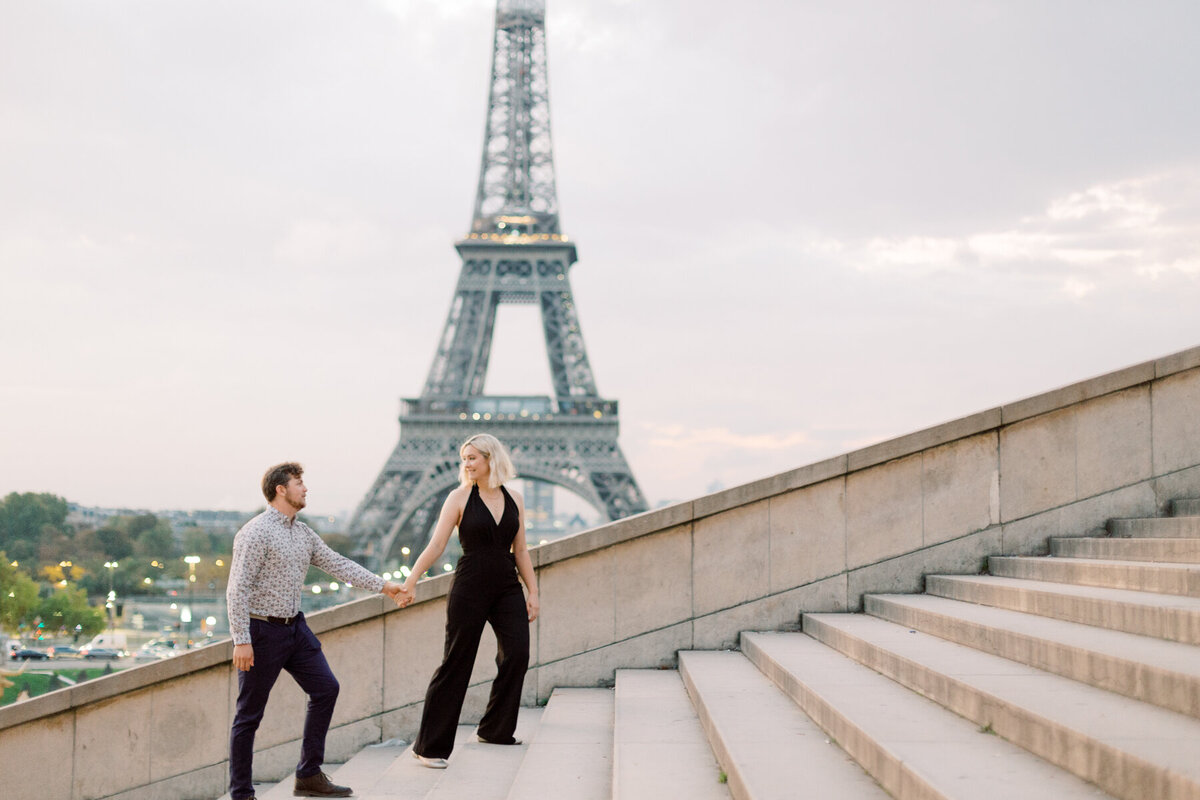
(57, 545)
(156, 543)
(138, 525)
(115, 542)
(24, 519)
(197, 541)
(68, 607)
(18, 596)
(87, 546)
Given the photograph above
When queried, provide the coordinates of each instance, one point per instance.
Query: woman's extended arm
(524, 562)
(447, 521)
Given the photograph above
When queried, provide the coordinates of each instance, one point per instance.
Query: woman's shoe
(432, 763)
(486, 741)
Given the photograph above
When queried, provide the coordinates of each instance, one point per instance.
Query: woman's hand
(532, 606)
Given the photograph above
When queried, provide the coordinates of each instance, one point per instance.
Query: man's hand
(243, 657)
(399, 594)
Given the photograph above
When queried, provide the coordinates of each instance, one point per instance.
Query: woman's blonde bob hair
(500, 466)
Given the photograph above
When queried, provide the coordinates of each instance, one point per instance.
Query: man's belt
(274, 620)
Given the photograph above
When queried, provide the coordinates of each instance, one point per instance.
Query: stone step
(260, 789)
(364, 769)
(1178, 551)
(1156, 527)
(1130, 749)
(571, 756)
(911, 745)
(406, 779)
(1186, 507)
(767, 746)
(659, 748)
(1145, 613)
(1153, 670)
(485, 771)
(1138, 576)
(284, 788)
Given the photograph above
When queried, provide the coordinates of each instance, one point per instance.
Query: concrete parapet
(634, 592)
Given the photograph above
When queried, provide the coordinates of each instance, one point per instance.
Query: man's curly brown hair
(279, 475)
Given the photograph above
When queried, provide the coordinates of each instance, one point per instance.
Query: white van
(113, 641)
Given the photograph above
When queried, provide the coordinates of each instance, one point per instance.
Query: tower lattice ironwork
(515, 253)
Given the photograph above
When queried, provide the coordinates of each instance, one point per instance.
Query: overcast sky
(227, 228)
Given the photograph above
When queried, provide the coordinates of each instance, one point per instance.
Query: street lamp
(192, 561)
(112, 596)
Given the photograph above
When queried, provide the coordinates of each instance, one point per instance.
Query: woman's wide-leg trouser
(466, 613)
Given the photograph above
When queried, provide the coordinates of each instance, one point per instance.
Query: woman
(491, 529)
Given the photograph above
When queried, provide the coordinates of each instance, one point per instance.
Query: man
(271, 555)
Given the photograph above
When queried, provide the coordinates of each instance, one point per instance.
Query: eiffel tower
(514, 253)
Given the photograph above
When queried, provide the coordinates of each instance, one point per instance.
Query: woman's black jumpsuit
(485, 590)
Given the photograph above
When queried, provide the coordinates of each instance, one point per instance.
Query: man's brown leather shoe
(319, 785)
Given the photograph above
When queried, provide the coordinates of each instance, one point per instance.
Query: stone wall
(635, 592)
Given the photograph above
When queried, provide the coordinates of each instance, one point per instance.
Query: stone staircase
(1070, 676)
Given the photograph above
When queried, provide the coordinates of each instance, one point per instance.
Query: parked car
(101, 652)
(62, 651)
(153, 652)
(29, 654)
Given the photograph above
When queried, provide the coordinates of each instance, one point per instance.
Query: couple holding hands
(272, 554)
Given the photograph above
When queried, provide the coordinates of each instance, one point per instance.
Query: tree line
(49, 567)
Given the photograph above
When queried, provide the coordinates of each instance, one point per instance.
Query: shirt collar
(279, 516)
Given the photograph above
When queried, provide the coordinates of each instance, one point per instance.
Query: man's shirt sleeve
(323, 557)
(249, 553)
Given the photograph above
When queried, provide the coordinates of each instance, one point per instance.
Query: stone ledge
(888, 450)
(754, 491)
(926, 439)
(46, 705)
(1078, 392)
(612, 533)
(355, 611)
(1177, 362)
(147, 675)
(102, 688)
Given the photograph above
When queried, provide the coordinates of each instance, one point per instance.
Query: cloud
(912, 254)
(1077, 288)
(1123, 204)
(1100, 237)
(1185, 266)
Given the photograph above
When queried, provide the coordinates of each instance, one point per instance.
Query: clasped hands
(400, 596)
